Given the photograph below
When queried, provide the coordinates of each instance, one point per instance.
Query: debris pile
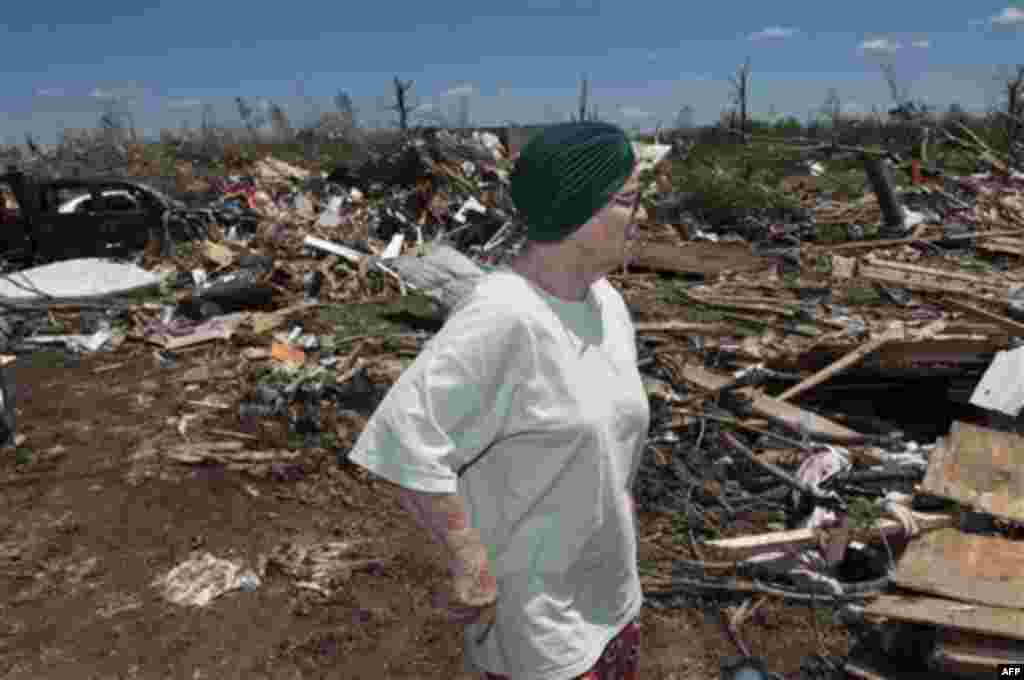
(802, 388)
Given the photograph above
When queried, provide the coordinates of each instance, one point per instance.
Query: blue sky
(517, 60)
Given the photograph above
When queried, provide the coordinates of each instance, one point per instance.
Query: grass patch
(845, 184)
(863, 295)
(162, 294)
(402, 315)
(975, 264)
(22, 455)
(823, 264)
(863, 513)
(727, 182)
(832, 233)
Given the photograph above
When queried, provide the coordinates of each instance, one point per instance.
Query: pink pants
(619, 661)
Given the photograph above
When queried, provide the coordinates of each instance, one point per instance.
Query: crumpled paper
(198, 581)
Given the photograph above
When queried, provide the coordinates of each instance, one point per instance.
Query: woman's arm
(444, 516)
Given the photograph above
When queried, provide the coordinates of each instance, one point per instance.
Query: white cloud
(879, 46)
(465, 88)
(50, 92)
(773, 33)
(633, 112)
(922, 44)
(183, 104)
(1011, 17)
(127, 92)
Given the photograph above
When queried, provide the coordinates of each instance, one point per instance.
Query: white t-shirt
(549, 392)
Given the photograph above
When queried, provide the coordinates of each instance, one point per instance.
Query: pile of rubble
(786, 434)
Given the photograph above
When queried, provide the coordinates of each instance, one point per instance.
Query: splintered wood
(1001, 622)
(965, 567)
(924, 279)
(966, 654)
(743, 547)
(695, 258)
(769, 407)
(979, 468)
(840, 365)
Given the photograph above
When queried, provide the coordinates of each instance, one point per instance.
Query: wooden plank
(925, 352)
(695, 257)
(838, 366)
(1002, 245)
(933, 283)
(768, 406)
(743, 547)
(979, 468)
(1009, 325)
(928, 271)
(693, 328)
(971, 568)
(976, 618)
(889, 243)
(966, 654)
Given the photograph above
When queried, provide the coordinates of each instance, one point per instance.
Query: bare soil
(92, 514)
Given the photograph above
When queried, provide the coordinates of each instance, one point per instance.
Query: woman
(516, 434)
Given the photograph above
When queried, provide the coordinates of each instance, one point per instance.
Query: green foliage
(863, 513)
(823, 264)
(850, 182)
(975, 264)
(831, 233)
(863, 295)
(22, 455)
(724, 193)
(647, 568)
(788, 124)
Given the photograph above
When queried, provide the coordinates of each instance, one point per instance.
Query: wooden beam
(695, 257)
(1006, 324)
(1000, 622)
(767, 406)
(685, 327)
(743, 547)
(965, 654)
(871, 258)
(933, 282)
(889, 243)
(838, 366)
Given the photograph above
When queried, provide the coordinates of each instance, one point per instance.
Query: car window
(118, 203)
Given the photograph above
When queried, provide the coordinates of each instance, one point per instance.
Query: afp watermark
(1011, 670)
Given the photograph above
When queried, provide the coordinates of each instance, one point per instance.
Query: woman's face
(605, 239)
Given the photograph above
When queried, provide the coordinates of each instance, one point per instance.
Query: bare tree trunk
(880, 175)
(584, 93)
(401, 104)
(1014, 113)
(741, 92)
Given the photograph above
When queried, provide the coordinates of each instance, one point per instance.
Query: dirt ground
(92, 514)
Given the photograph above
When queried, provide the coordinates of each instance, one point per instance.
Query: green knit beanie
(566, 174)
